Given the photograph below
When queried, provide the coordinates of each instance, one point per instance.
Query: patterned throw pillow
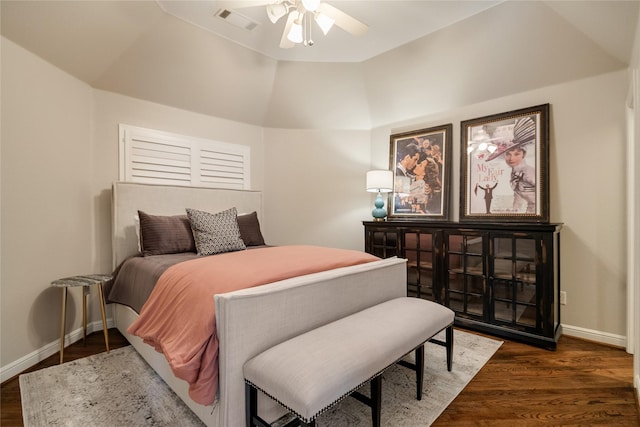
(215, 233)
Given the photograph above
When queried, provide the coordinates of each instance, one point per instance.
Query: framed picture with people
(421, 161)
(504, 166)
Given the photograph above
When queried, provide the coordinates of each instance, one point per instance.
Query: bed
(251, 320)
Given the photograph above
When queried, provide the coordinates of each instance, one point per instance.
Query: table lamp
(380, 181)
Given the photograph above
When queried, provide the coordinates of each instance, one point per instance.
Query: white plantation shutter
(155, 157)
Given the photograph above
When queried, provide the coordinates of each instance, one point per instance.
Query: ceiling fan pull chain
(308, 39)
(304, 29)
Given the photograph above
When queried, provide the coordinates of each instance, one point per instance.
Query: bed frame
(251, 320)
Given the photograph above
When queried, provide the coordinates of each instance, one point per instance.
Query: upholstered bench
(310, 373)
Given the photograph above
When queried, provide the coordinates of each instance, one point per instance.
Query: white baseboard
(597, 336)
(24, 363)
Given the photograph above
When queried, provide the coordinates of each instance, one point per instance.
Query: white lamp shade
(295, 33)
(380, 181)
(276, 11)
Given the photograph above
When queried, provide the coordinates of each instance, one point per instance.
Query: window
(156, 157)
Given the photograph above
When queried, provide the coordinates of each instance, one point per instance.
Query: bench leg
(418, 367)
(251, 403)
(376, 400)
(419, 371)
(251, 411)
(251, 407)
(449, 346)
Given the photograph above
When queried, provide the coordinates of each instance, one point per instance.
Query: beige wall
(633, 177)
(47, 207)
(315, 187)
(59, 157)
(112, 109)
(588, 191)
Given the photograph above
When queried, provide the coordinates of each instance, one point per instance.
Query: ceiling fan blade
(342, 20)
(239, 4)
(285, 43)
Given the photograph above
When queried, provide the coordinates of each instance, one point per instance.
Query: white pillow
(136, 221)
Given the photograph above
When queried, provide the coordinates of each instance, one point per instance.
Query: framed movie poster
(421, 161)
(505, 167)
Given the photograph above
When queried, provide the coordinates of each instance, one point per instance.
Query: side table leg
(104, 317)
(62, 323)
(85, 291)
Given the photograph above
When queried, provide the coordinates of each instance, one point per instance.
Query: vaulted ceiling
(390, 24)
(418, 57)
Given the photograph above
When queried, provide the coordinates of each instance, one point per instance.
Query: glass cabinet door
(382, 242)
(420, 251)
(512, 272)
(466, 274)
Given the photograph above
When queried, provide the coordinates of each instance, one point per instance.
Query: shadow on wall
(46, 311)
(103, 258)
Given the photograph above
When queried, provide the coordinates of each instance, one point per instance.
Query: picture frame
(421, 165)
(504, 167)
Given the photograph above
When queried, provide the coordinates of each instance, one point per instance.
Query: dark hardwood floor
(581, 383)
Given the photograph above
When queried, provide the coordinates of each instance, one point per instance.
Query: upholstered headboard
(128, 198)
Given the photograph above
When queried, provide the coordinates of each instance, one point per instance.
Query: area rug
(119, 389)
(399, 405)
(108, 389)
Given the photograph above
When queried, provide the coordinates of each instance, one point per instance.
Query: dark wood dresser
(501, 279)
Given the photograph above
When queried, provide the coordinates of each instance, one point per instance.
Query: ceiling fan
(300, 14)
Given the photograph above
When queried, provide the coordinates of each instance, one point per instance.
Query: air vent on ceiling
(236, 19)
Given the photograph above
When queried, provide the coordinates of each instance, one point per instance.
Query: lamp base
(379, 219)
(379, 213)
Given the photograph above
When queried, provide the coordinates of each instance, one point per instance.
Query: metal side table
(85, 282)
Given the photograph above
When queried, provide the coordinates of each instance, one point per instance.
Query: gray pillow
(215, 233)
(161, 234)
(250, 229)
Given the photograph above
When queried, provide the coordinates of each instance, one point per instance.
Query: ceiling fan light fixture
(324, 22)
(298, 28)
(276, 11)
(295, 33)
(311, 5)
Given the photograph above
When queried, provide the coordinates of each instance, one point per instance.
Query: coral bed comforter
(178, 319)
